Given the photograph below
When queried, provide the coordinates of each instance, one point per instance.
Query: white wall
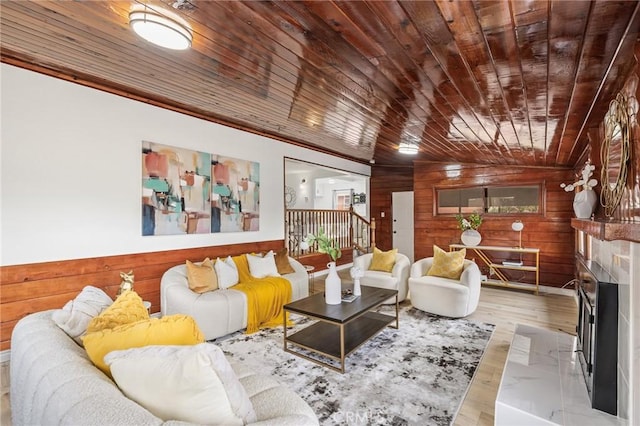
(71, 170)
(304, 195)
(325, 192)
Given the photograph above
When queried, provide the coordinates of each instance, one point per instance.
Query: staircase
(350, 230)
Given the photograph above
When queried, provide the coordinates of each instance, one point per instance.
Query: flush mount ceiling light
(407, 148)
(161, 27)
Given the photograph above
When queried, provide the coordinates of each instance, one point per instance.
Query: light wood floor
(504, 308)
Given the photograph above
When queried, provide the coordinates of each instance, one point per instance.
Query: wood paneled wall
(385, 181)
(625, 222)
(551, 232)
(629, 208)
(29, 288)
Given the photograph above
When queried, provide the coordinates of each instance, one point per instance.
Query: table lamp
(518, 227)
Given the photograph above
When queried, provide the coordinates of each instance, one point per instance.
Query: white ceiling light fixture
(161, 27)
(408, 148)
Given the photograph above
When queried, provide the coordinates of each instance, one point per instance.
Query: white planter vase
(584, 203)
(471, 237)
(332, 286)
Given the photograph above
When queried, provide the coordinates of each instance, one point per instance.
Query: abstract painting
(235, 195)
(176, 190)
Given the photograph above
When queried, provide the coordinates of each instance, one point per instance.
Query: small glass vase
(332, 286)
(471, 237)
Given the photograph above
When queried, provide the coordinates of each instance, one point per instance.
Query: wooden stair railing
(363, 233)
(350, 230)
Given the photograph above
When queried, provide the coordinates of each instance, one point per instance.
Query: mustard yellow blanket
(265, 297)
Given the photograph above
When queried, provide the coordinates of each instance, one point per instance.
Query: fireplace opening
(597, 332)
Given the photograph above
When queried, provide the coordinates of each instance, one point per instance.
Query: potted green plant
(328, 246)
(325, 244)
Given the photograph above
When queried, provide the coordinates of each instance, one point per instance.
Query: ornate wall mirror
(614, 154)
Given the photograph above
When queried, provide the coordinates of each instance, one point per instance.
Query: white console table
(530, 258)
(542, 383)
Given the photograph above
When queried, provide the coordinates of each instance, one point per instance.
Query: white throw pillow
(192, 383)
(261, 267)
(227, 272)
(76, 314)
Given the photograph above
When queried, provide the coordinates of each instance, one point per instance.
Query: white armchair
(394, 280)
(444, 296)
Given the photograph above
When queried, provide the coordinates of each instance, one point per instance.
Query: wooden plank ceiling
(492, 82)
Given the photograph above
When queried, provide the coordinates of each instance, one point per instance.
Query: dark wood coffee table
(340, 329)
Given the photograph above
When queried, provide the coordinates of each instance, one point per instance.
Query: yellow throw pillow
(127, 308)
(202, 278)
(447, 264)
(383, 260)
(169, 330)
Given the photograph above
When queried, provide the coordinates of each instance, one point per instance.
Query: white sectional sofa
(218, 312)
(53, 382)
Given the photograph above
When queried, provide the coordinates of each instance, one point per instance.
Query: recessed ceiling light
(161, 27)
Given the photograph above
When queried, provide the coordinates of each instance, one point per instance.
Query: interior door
(402, 211)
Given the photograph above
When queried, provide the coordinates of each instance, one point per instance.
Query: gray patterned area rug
(415, 375)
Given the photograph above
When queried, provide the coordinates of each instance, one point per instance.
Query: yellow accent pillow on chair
(383, 260)
(447, 264)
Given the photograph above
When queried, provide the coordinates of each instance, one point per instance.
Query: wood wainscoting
(35, 287)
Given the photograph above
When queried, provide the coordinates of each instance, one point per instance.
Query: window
(492, 199)
(513, 199)
(467, 200)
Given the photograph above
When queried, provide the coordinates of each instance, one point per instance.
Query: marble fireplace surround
(621, 259)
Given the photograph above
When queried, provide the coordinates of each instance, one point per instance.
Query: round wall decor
(289, 196)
